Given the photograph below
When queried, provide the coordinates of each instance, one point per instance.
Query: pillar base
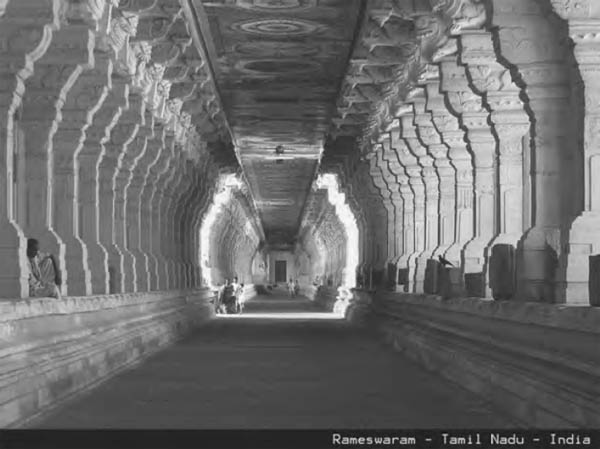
(129, 271)
(77, 267)
(454, 253)
(537, 262)
(153, 266)
(141, 270)
(115, 270)
(163, 274)
(584, 241)
(405, 274)
(506, 285)
(475, 268)
(172, 273)
(14, 269)
(98, 264)
(420, 265)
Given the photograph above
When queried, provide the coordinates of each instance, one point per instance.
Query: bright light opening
(329, 181)
(225, 184)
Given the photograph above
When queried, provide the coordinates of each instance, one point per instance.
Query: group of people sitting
(229, 297)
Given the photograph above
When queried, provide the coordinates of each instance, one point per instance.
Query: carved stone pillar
(510, 123)
(584, 237)
(378, 218)
(126, 146)
(182, 186)
(443, 155)
(184, 218)
(136, 226)
(445, 172)
(69, 53)
(182, 194)
(381, 184)
(424, 183)
(82, 101)
(110, 104)
(482, 142)
(410, 198)
(154, 149)
(26, 29)
(453, 85)
(398, 177)
(81, 104)
(117, 136)
(164, 175)
(173, 178)
(543, 67)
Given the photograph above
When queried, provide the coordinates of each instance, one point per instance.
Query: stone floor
(281, 364)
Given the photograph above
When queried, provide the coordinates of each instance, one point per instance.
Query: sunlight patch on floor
(285, 316)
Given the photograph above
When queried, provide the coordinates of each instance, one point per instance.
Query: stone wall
(538, 363)
(52, 350)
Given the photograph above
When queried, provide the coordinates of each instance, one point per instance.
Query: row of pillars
(97, 162)
(494, 149)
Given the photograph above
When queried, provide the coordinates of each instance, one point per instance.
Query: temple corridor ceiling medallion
(275, 50)
(276, 5)
(278, 27)
(280, 66)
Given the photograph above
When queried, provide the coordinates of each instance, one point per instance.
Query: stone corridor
(279, 365)
(428, 171)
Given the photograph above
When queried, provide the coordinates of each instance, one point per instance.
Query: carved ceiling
(397, 42)
(279, 65)
(159, 46)
(296, 77)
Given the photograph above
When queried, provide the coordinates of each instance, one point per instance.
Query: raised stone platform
(540, 363)
(51, 349)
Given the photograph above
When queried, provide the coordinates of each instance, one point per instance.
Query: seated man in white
(44, 273)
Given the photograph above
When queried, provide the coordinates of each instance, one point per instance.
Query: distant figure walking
(44, 273)
(291, 288)
(238, 289)
(445, 262)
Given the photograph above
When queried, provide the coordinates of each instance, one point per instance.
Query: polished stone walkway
(279, 365)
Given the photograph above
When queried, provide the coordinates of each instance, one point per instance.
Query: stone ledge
(27, 308)
(541, 369)
(56, 351)
(578, 318)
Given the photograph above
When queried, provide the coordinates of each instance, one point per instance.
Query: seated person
(44, 274)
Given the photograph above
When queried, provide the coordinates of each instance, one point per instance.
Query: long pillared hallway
(423, 174)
